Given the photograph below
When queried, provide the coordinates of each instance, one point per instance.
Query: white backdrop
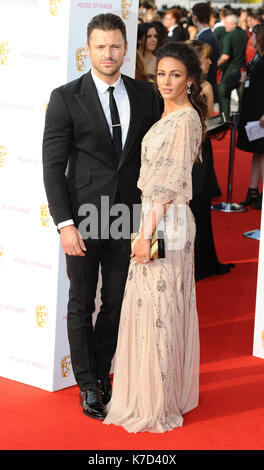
(41, 47)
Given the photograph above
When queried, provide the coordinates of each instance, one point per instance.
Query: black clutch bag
(217, 126)
(157, 246)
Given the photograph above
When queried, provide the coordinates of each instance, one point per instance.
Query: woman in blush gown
(156, 373)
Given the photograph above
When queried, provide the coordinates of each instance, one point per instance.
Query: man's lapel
(135, 123)
(90, 102)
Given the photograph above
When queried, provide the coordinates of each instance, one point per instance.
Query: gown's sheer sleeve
(174, 181)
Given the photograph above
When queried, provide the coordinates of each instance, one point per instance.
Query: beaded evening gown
(156, 372)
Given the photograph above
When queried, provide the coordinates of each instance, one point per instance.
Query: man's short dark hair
(225, 11)
(256, 15)
(146, 5)
(202, 11)
(106, 22)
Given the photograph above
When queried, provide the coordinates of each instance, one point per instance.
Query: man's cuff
(65, 223)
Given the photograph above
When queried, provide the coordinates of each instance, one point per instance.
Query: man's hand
(243, 76)
(223, 59)
(71, 241)
(261, 121)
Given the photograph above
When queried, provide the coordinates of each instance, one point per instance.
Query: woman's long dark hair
(258, 29)
(187, 55)
(143, 29)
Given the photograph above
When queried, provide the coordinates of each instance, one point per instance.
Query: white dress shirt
(171, 29)
(122, 102)
(220, 23)
(123, 106)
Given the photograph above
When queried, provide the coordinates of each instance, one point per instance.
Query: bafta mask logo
(65, 366)
(54, 7)
(4, 51)
(41, 313)
(125, 7)
(44, 215)
(81, 59)
(3, 153)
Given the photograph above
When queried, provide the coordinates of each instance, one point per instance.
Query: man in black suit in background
(91, 155)
(171, 21)
(201, 16)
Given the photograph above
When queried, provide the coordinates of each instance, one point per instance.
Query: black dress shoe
(106, 388)
(92, 404)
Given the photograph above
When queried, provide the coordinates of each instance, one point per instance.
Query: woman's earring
(189, 88)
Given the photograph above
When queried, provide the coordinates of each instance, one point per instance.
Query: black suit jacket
(209, 37)
(79, 162)
(179, 34)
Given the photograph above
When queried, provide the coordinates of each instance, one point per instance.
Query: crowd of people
(235, 36)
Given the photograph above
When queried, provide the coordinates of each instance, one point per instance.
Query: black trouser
(228, 82)
(92, 348)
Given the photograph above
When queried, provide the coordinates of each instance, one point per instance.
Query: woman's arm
(208, 92)
(141, 248)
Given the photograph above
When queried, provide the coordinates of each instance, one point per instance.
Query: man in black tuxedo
(171, 21)
(201, 16)
(91, 160)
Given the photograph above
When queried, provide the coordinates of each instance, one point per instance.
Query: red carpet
(231, 409)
